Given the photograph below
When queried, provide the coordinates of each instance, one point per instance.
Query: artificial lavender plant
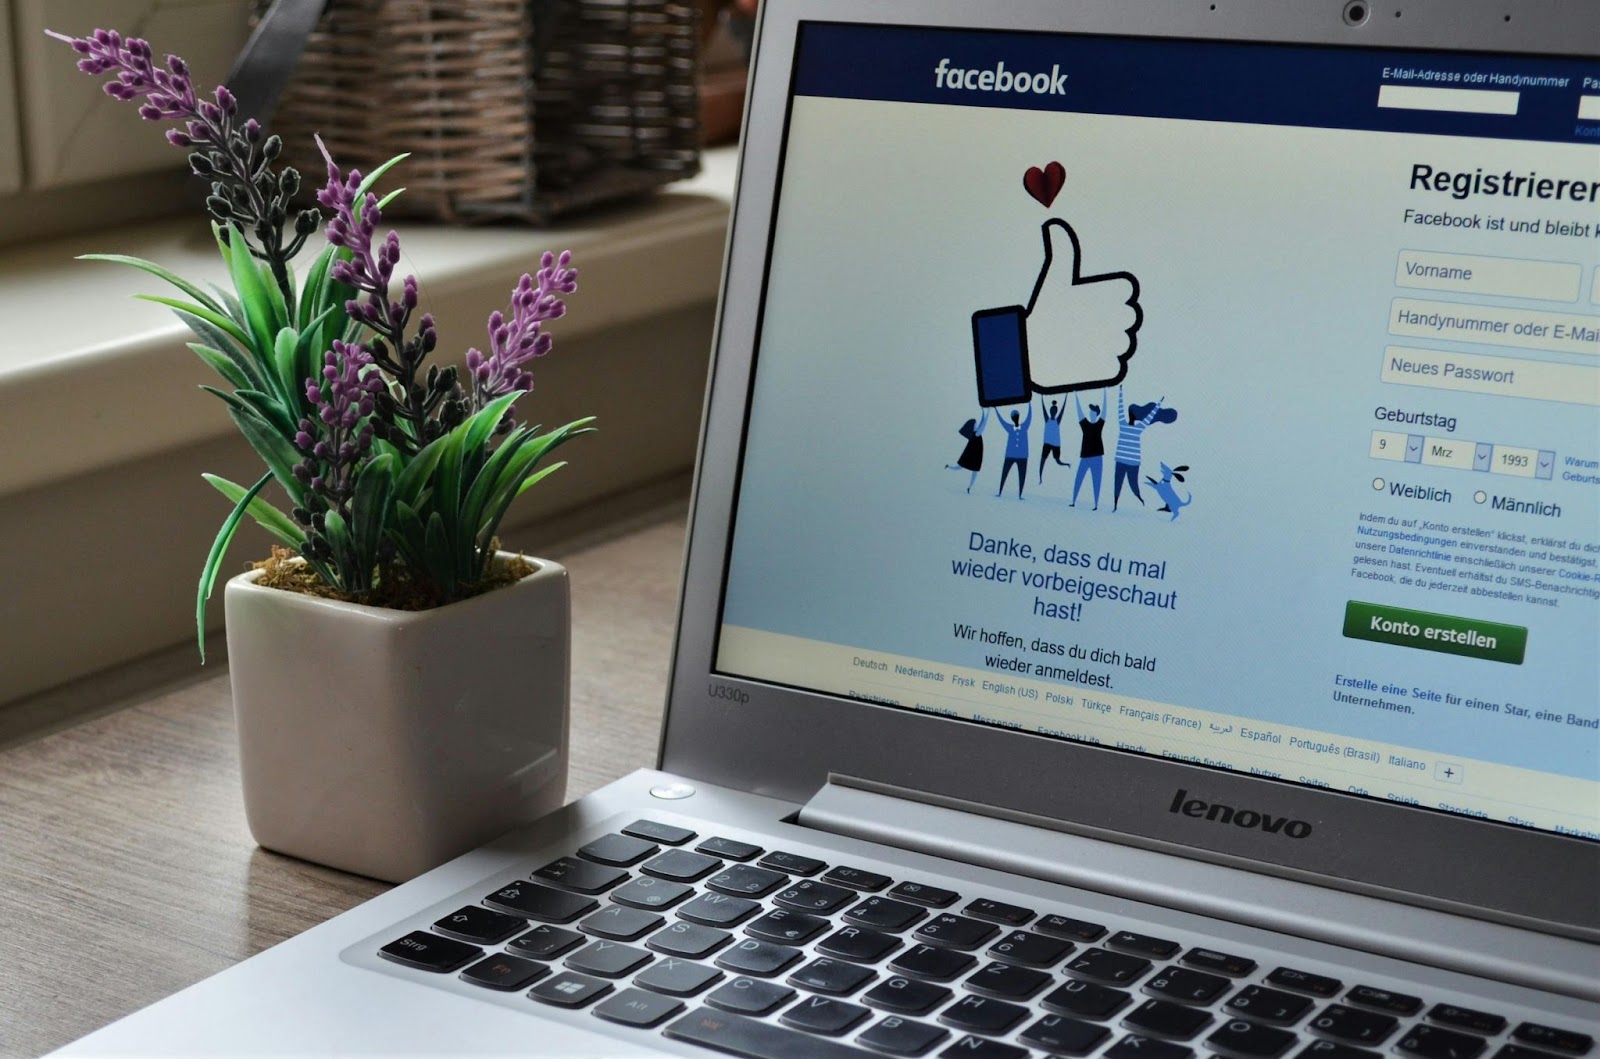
(395, 475)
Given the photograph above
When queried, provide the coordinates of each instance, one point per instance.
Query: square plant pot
(385, 742)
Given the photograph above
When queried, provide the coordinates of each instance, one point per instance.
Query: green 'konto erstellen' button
(1472, 637)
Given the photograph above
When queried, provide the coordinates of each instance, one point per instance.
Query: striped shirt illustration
(1129, 434)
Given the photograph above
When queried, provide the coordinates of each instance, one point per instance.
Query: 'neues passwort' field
(1494, 325)
(1503, 376)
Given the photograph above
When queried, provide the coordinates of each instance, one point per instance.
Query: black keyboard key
(1269, 1005)
(1357, 1027)
(620, 924)
(1557, 1040)
(568, 990)
(719, 910)
(930, 961)
(898, 1036)
(688, 940)
(858, 944)
(810, 896)
(752, 1039)
(645, 892)
(1029, 949)
(749, 996)
(980, 1048)
(1136, 1047)
(1432, 1042)
(1162, 1018)
(1220, 962)
(923, 894)
(1306, 982)
(608, 959)
(1143, 944)
(505, 973)
(1115, 967)
(638, 1008)
(663, 833)
(977, 1014)
(680, 865)
(1190, 987)
(620, 851)
(532, 901)
(547, 943)
(1060, 1035)
(820, 1014)
(1069, 928)
(676, 977)
(906, 995)
(955, 932)
(1517, 1051)
(998, 912)
(1334, 1050)
(479, 925)
(1467, 1018)
(746, 880)
(758, 958)
(1003, 981)
(729, 848)
(793, 863)
(786, 928)
(883, 913)
(430, 952)
(1251, 1040)
(857, 879)
(834, 977)
(580, 876)
(1085, 1000)
(1384, 1000)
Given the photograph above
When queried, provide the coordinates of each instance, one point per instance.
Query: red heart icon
(1045, 184)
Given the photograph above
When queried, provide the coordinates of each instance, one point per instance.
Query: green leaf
(253, 294)
(286, 367)
(372, 179)
(312, 295)
(369, 507)
(532, 479)
(219, 548)
(489, 479)
(220, 363)
(242, 358)
(160, 272)
(264, 406)
(439, 560)
(408, 486)
(383, 203)
(409, 536)
(337, 533)
(267, 517)
(277, 305)
(274, 450)
(215, 319)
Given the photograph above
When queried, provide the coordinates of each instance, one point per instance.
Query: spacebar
(755, 1040)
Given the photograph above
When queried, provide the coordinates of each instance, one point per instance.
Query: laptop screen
(1231, 403)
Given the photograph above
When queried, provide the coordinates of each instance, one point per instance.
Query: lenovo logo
(1184, 805)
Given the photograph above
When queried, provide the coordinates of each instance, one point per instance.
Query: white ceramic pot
(385, 742)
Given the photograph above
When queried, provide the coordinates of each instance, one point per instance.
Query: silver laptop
(1141, 600)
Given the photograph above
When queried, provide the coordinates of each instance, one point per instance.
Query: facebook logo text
(1000, 79)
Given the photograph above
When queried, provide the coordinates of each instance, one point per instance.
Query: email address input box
(1453, 100)
(1505, 277)
(1494, 325)
(1497, 376)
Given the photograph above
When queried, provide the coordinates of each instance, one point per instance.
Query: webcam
(1356, 12)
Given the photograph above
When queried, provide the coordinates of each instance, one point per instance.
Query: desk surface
(127, 871)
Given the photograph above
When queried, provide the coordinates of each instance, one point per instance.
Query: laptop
(1141, 595)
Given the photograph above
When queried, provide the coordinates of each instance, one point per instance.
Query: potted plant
(400, 684)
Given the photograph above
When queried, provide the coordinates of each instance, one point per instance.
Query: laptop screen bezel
(782, 742)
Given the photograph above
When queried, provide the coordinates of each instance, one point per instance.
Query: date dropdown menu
(1481, 456)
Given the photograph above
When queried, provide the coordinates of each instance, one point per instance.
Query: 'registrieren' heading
(1459, 185)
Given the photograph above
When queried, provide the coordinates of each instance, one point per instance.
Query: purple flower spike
(513, 343)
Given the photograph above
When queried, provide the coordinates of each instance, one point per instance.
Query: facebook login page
(1232, 403)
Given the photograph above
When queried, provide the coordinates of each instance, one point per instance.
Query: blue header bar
(1438, 93)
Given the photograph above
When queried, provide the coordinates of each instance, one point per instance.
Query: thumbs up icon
(1076, 332)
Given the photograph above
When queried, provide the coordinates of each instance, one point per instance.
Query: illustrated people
(971, 458)
(1016, 449)
(1052, 435)
(1131, 423)
(1092, 451)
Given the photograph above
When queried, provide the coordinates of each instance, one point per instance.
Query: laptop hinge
(984, 837)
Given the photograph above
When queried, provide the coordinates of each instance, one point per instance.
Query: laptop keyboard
(774, 955)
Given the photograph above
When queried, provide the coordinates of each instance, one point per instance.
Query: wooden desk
(126, 869)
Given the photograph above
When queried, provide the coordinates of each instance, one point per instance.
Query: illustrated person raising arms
(1052, 435)
(1016, 449)
(1131, 423)
(971, 458)
(1092, 451)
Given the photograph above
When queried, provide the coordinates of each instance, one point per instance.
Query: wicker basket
(508, 108)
